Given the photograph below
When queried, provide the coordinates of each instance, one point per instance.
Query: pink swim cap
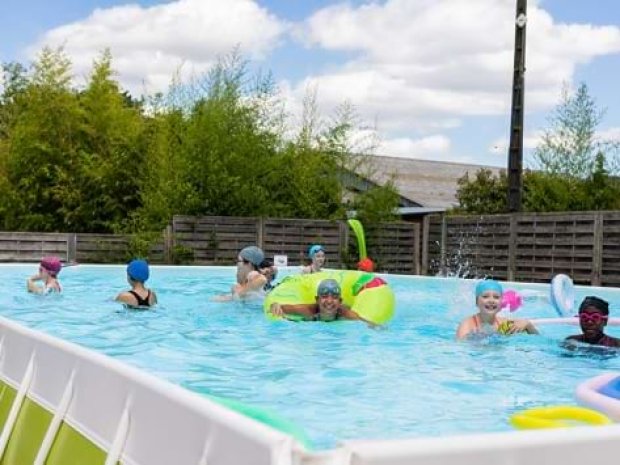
(52, 265)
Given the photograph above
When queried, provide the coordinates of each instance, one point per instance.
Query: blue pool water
(338, 381)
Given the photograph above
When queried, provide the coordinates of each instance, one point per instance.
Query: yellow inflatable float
(557, 416)
(368, 296)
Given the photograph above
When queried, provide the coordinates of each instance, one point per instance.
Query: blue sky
(431, 79)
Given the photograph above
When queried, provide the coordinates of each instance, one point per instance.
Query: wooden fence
(216, 240)
(528, 247)
(519, 247)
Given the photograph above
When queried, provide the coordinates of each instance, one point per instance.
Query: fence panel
(30, 247)
(292, 237)
(115, 248)
(530, 247)
(554, 243)
(393, 247)
(610, 249)
(212, 240)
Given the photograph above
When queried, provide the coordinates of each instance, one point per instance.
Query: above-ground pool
(336, 380)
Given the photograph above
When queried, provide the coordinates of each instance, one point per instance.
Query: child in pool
(138, 296)
(47, 275)
(488, 301)
(593, 316)
(269, 271)
(328, 305)
(316, 253)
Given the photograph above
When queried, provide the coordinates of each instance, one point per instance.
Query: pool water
(337, 381)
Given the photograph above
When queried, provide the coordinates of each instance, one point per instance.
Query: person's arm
(32, 286)
(346, 313)
(256, 283)
(520, 326)
(464, 329)
(305, 310)
(127, 299)
(154, 297)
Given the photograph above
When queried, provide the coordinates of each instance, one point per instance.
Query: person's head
(593, 316)
(328, 298)
(250, 257)
(366, 264)
(489, 296)
(316, 253)
(50, 266)
(137, 271)
(267, 269)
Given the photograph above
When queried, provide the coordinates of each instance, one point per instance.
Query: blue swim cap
(138, 270)
(314, 250)
(488, 285)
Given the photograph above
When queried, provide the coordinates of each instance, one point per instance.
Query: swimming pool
(338, 381)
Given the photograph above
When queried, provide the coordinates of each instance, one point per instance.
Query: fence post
(71, 247)
(168, 244)
(512, 248)
(260, 232)
(417, 265)
(597, 250)
(422, 244)
(343, 238)
(442, 246)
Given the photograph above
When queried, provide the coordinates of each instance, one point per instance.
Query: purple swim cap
(52, 265)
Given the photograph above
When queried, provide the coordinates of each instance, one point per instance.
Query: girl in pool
(486, 321)
(250, 281)
(316, 253)
(139, 296)
(47, 275)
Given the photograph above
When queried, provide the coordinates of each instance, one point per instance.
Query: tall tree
(569, 146)
(42, 145)
(103, 188)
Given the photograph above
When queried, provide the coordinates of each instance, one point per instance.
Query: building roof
(426, 183)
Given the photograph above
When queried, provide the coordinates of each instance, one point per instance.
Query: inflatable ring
(266, 417)
(374, 304)
(602, 393)
(562, 295)
(558, 416)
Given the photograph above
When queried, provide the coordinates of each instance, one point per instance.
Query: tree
(569, 147)
(43, 143)
(378, 204)
(103, 188)
(485, 194)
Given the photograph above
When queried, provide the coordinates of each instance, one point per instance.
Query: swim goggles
(592, 318)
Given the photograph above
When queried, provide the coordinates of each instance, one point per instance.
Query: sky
(429, 79)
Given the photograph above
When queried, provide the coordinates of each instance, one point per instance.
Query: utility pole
(515, 149)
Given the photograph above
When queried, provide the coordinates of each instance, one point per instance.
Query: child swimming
(488, 300)
(49, 268)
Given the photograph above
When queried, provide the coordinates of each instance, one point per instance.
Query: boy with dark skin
(593, 316)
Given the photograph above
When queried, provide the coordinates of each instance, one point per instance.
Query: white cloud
(149, 44)
(417, 62)
(609, 134)
(425, 147)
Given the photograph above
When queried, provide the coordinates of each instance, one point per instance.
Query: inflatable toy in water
(602, 393)
(511, 299)
(373, 303)
(557, 416)
(266, 417)
(562, 295)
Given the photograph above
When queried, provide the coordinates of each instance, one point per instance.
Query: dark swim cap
(596, 302)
